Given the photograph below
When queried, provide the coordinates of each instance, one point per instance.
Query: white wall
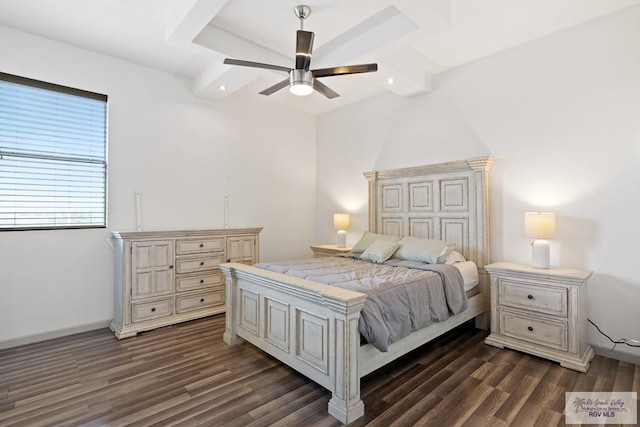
(561, 115)
(182, 153)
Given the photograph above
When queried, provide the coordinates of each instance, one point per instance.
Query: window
(53, 163)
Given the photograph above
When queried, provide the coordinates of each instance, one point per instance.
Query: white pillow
(454, 257)
(379, 251)
(424, 250)
(369, 239)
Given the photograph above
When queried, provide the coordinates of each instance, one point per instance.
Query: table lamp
(341, 223)
(540, 226)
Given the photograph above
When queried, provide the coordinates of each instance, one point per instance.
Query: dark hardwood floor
(186, 375)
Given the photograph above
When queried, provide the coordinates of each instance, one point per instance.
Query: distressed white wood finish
(311, 327)
(150, 266)
(447, 201)
(314, 328)
(166, 277)
(321, 251)
(541, 311)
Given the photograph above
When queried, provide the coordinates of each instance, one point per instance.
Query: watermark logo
(601, 407)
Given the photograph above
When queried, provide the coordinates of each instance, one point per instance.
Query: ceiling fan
(302, 81)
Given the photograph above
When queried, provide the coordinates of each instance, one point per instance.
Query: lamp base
(540, 254)
(342, 239)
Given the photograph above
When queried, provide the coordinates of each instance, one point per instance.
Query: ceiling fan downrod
(302, 12)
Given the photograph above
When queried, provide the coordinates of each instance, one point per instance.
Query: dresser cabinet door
(241, 249)
(152, 268)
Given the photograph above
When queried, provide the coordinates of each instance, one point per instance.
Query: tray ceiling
(411, 40)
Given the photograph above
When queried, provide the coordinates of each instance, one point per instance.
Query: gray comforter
(402, 296)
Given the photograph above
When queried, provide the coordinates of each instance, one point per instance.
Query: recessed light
(223, 87)
(390, 80)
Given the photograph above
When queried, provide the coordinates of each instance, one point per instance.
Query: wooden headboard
(447, 201)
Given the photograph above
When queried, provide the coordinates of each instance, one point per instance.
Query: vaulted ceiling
(411, 40)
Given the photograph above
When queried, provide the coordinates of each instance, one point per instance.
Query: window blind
(53, 156)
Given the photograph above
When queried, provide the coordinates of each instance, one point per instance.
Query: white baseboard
(15, 342)
(619, 355)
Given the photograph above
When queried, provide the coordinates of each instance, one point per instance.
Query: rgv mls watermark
(601, 408)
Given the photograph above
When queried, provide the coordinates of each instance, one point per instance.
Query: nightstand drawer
(542, 299)
(547, 332)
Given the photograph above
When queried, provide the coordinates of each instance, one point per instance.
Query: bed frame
(314, 328)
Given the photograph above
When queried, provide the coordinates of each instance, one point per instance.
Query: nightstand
(541, 312)
(320, 251)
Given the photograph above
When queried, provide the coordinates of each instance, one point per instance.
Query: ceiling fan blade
(345, 69)
(242, 63)
(304, 46)
(276, 87)
(324, 89)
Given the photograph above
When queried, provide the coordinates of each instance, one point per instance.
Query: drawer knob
(530, 328)
(153, 309)
(201, 262)
(171, 266)
(201, 280)
(202, 245)
(201, 299)
(530, 296)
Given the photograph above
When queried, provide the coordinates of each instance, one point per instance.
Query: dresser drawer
(142, 311)
(542, 299)
(547, 332)
(198, 281)
(215, 297)
(192, 246)
(199, 263)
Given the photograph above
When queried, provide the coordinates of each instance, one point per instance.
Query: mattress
(469, 272)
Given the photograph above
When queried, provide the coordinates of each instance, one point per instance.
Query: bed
(313, 327)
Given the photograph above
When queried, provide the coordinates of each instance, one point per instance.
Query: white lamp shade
(341, 221)
(540, 225)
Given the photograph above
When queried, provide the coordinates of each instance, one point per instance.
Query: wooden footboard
(311, 327)
(314, 329)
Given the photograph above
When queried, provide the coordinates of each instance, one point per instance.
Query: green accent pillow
(380, 251)
(369, 239)
(424, 250)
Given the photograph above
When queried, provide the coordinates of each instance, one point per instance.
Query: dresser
(320, 251)
(166, 277)
(541, 312)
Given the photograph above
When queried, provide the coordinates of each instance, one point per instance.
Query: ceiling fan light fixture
(301, 82)
(301, 89)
